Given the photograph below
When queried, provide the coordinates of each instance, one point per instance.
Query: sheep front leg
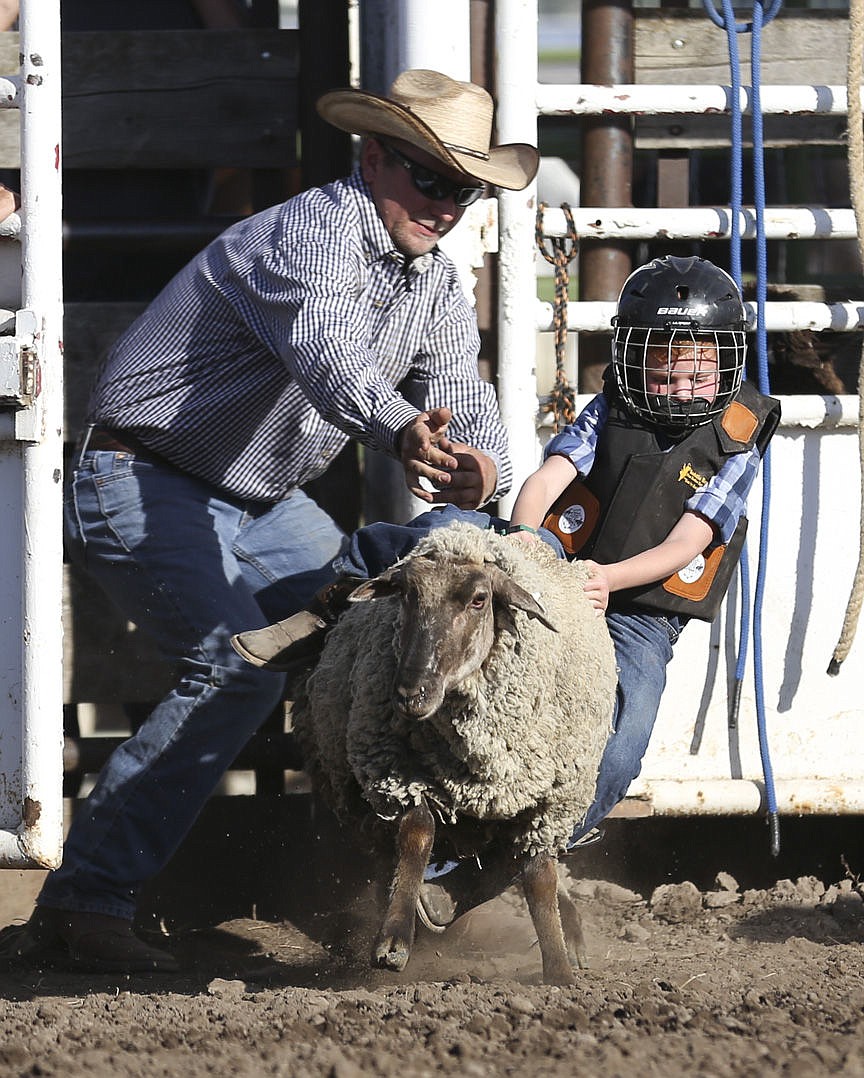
(413, 847)
(540, 882)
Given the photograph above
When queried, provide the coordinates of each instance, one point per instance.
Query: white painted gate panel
(31, 467)
(815, 722)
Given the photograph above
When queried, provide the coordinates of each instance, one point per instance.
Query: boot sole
(18, 949)
(427, 921)
(248, 655)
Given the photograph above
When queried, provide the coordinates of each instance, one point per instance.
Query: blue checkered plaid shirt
(722, 500)
(287, 336)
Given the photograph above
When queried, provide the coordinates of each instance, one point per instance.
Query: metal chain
(560, 253)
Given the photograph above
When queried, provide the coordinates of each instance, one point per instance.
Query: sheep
(462, 697)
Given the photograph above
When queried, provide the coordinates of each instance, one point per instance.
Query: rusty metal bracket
(19, 364)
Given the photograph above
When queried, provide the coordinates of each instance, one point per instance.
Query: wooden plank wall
(171, 99)
(808, 165)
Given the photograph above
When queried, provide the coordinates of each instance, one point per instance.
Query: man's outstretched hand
(461, 475)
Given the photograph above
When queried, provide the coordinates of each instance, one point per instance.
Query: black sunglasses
(432, 184)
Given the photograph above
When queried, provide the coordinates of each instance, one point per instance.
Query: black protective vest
(636, 492)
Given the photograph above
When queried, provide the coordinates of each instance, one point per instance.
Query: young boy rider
(649, 486)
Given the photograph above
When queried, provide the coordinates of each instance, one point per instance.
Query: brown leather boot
(300, 638)
(90, 942)
(444, 898)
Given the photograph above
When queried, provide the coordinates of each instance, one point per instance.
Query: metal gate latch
(19, 363)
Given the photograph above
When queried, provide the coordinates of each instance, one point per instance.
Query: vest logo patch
(691, 477)
(572, 519)
(692, 572)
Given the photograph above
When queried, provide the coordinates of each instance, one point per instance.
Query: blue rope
(764, 387)
(727, 21)
(761, 16)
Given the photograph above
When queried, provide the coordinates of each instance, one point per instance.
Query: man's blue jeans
(190, 568)
(643, 647)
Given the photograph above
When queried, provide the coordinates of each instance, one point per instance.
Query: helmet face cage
(678, 346)
(677, 379)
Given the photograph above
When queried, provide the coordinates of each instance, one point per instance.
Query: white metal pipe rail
(794, 797)
(649, 100)
(805, 411)
(10, 88)
(516, 82)
(701, 223)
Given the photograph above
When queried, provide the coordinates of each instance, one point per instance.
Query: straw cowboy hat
(449, 119)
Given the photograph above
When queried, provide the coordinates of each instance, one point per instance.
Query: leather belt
(114, 441)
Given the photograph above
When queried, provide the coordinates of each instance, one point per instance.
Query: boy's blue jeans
(189, 567)
(643, 647)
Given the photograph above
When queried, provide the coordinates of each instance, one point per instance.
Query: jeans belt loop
(85, 441)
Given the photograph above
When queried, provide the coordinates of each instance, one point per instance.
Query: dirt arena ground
(705, 961)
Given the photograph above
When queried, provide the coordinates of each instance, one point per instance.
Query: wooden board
(171, 99)
(712, 132)
(801, 49)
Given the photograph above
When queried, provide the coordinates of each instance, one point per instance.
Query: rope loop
(564, 248)
(769, 13)
(560, 253)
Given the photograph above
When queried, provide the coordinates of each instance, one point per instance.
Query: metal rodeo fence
(704, 757)
(31, 464)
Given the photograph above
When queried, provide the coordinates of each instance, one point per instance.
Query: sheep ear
(508, 591)
(379, 587)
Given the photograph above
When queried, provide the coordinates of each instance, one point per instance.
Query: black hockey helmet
(690, 308)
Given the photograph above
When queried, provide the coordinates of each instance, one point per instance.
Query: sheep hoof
(560, 975)
(392, 953)
(582, 960)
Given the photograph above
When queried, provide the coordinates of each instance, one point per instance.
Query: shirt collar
(377, 243)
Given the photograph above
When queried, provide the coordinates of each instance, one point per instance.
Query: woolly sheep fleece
(521, 741)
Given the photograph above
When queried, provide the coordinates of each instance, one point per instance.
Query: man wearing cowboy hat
(285, 337)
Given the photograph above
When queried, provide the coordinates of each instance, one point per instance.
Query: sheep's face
(447, 630)
(448, 624)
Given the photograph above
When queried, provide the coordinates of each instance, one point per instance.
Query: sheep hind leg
(413, 846)
(571, 922)
(540, 882)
